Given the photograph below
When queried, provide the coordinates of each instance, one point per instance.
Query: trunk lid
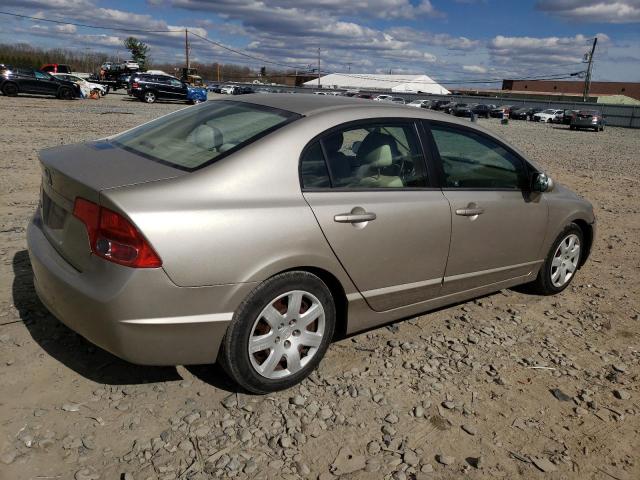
(84, 170)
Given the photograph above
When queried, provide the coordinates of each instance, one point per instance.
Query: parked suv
(587, 119)
(27, 80)
(149, 88)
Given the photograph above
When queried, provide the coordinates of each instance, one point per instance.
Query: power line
(559, 76)
(84, 25)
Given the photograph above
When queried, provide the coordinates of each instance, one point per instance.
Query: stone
(544, 464)
(445, 459)
(622, 394)
(86, 474)
(418, 411)
(470, 429)
(410, 458)
(391, 418)
(448, 404)
(8, 457)
(71, 407)
(560, 395)
(619, 367)
(373, 448)
(298, 400)
(230, 401)
(303, 469)
(347, 462)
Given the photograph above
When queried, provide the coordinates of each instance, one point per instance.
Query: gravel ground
(507, 386)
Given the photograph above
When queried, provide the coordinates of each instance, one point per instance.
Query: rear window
(197, 136)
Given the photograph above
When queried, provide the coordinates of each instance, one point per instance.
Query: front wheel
(66, 94)
(10, 90)
(562, 262)
(279, 333)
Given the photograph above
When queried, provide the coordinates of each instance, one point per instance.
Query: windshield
(196, 136)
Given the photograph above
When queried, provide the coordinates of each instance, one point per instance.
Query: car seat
(376, 152)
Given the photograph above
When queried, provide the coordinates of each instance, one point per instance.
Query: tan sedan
(251, 231)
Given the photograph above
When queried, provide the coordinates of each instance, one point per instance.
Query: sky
(453, 41)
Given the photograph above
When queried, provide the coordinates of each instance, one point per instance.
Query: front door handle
(469, 212)
(354, 217)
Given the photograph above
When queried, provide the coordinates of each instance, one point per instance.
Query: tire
(10, 90)
(149, 97)
(258, 372)
(549, 281)
(65, 94)
(571, 127)
(602, 127)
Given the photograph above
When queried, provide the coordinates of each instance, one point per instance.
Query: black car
(448, 107)
(214, 87)
(521, 113)
(463, 110)
(482, 110)
(438, 104)
(27, 80)
(567, 116)
(149, 88)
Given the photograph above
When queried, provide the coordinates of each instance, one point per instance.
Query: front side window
(474, 160)
(194, 137)
(376, 155)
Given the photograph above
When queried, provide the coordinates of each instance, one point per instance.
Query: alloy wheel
(287, 334)
(149, 97)
(565, 260)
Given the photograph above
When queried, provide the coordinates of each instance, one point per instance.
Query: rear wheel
(150, 97)
(65, 94)
(10, 90)
(562, 262)
(279, 333)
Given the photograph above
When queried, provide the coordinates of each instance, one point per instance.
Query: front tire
(279, 333)
(10, 90)
(65, 94)
(562, 262)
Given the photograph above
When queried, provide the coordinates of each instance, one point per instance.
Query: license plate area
(52, 214)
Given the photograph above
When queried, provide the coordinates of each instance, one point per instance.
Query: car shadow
(69, 348)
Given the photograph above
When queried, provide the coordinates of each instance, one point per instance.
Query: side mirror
(542, 183)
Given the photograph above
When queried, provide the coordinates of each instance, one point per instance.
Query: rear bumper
(138, 315)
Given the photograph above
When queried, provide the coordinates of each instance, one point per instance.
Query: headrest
(377, 150)
(205, 137)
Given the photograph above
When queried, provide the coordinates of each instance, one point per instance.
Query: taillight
(113, 237)
(135, 85)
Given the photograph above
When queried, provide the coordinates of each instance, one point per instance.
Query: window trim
(412, 122)
(528, 169)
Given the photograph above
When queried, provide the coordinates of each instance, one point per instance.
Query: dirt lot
(463, 392)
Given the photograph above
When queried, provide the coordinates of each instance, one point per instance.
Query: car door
(388, 225)
(27, 82)
(46, 83)
(497, 224)
(178, 89)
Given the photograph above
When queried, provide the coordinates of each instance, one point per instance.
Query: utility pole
(186, 47)
(349, 66)
(319, 68)
(587, 77)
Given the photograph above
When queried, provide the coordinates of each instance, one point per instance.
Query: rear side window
(313, 168)
(474, 160)
(196, 136)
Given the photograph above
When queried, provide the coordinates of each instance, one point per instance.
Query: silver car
(253, 231)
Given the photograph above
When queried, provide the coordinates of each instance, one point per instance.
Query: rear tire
(269, 348)
(65, 94)
(150, 97)
(562, 262)
(10, 90)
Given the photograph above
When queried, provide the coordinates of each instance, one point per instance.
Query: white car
(85, 86)
(549, 115)
(319, 93)
(420, 103)
(383, 98)
(229, 89)
(131, 65)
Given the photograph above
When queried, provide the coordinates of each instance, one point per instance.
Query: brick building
(558, 87)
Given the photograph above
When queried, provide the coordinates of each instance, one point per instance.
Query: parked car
(500, 111)
(420, 103)
(383, 98)
(130, 65)
(587, 119)
(398, 100)
(366, 96)
(213, 87)
(567, 116)
(86, 86)
(482, 110)
(319, 93)
(28, 80)
(135, 217)
(548, 115)
(150, 88)
(55, 68)
(463, 109)
(438, 104)
(520, 113)
(448, 107)
(230, 89)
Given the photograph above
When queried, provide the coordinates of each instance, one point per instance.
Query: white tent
(395, 83)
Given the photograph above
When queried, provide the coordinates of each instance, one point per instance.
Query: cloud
(49, 4)
(67, 28)
(433, 39)
(475, 68)
(593, 11)
(544, 51)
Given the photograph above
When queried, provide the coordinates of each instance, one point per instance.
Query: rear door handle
(469, 212)
(354, 217)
